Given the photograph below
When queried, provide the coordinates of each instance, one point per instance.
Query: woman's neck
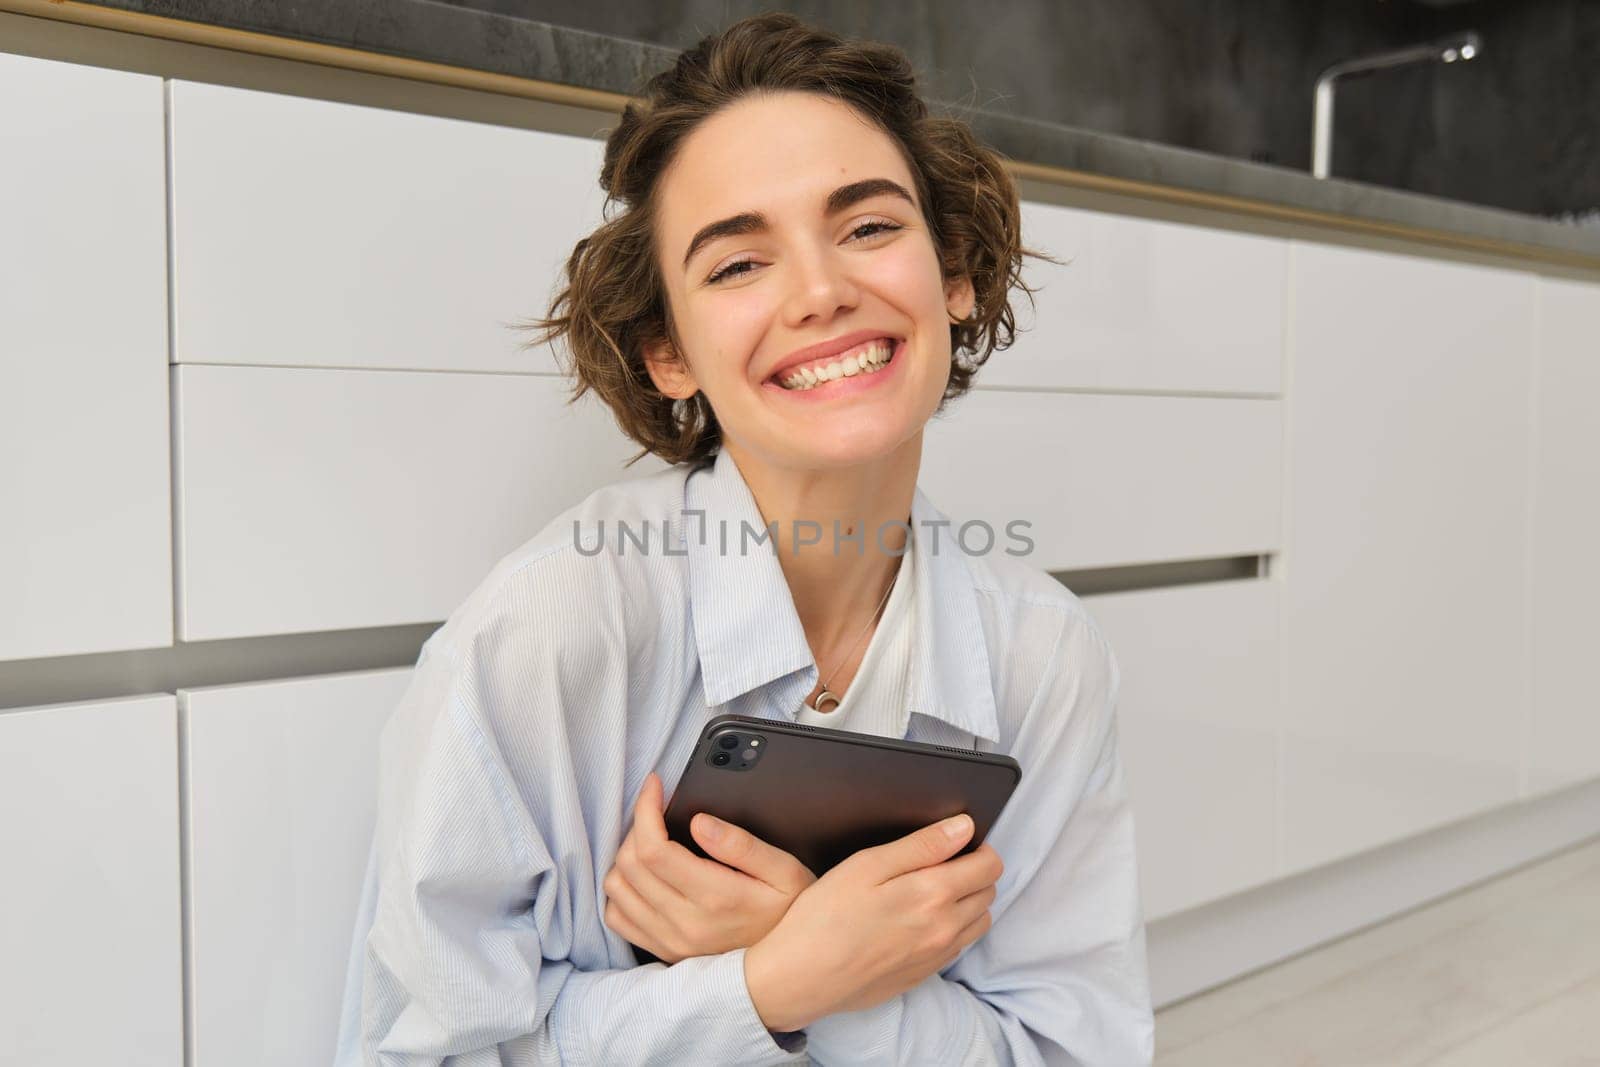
(836, 583)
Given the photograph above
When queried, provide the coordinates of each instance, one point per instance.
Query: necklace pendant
(827, 696)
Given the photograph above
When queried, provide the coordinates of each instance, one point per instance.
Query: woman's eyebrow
(839, 200)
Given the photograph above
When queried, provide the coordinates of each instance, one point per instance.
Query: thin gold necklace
(827, 695)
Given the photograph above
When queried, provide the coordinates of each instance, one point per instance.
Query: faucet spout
(1461, 46)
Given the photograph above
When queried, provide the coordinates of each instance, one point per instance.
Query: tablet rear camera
(736, 751)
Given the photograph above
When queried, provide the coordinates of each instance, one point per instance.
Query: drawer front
(330, 499)
(313, 233)
(1565, 747)
(91, 956)
(282, 799)
(1146, 305)
(1406, 556)
(85, 511)
(1109, 480)
(1198, 726)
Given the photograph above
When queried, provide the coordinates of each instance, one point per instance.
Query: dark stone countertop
(505, 44)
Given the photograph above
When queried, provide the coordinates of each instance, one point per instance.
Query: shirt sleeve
(469, 960)
(1060, 977)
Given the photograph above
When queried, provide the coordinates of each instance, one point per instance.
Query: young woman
(807, 268)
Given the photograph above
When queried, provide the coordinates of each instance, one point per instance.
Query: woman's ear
(669, 370)
(960, 299)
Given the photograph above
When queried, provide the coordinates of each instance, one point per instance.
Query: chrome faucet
(1458, 47)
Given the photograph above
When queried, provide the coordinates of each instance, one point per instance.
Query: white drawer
(1145, 305)
(1198, 723)
(282, 798)
(1565, 746)
(1406, 547)
(332, 499)
(91, 955)
(1109, 480)
(313, 233)
(85, 516)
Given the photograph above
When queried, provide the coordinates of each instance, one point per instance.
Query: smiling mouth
(868, 358)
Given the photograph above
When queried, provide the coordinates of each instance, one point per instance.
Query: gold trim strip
(264, 44)
(1290, 213)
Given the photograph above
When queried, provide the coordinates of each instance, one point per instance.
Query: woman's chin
(847, 445)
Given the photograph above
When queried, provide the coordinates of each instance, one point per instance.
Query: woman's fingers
(618, 920)
(652, 909)
(648, 823)
(912, 854)
(739, 848)
(689, 900)
(665, 859)
(977, 906)
(641, 873)
(977, 927)
(961, 876)
(647, 856)
(694, 882)
(978, 868)
(691, 877)
(973, 905)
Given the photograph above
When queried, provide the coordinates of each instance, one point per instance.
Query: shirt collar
(748, 633)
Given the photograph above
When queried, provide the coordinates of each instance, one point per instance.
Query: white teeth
(864, 361)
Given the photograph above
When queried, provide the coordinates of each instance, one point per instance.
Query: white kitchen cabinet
(85, 555)
(1406, 547)
(1565, 745)
(313, 499)
(313, 233)
(281, 795)
(91, 957)
(1198, 721)
(1145, 304)
(1109, 480)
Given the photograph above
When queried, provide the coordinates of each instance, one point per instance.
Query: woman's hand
(874, 926)
(664, 898)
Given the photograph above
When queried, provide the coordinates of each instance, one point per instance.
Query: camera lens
(721, 759)
(728, 741)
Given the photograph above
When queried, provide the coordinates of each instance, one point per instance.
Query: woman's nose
(819, 287)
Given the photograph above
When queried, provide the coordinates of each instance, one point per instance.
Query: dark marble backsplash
(1182, 93)
(1518, 127)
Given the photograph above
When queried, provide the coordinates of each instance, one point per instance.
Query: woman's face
(781, 228)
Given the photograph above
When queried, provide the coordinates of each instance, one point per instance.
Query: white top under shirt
(873, 704)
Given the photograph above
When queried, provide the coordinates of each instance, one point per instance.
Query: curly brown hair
(613, 302)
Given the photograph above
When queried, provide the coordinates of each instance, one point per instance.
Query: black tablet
(821, 794)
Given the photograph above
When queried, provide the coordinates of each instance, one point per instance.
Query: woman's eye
(733, 269)
(875, 227)
(730, 270)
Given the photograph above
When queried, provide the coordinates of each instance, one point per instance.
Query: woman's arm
(468, 961)
(1060, 977)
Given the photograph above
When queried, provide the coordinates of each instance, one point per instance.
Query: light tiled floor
(1506, 974)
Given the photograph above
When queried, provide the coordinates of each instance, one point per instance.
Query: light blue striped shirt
(509, 771)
